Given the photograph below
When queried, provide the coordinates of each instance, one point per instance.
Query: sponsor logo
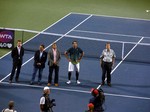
(5, 45)
(9, 45)
(6, 36)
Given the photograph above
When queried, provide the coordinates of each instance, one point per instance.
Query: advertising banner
(6, 39)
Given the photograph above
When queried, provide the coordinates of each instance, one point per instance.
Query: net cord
(76, 37)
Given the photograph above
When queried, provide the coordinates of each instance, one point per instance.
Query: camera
(53, 102)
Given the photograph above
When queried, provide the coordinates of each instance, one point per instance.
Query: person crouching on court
(75, 55)
(46, 104)
(54, 57)
(107, 60)
(97, 100)
(40, 58)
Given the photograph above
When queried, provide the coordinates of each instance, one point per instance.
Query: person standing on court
(75, 55)
(17, 56)
(54, 57)
(40, 58)
(107, 60)
(46, 104)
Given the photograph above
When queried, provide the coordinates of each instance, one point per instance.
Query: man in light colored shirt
(10, 107)
(54, 57)
(17, 56)
(107, 60)
(40, 58)
(46, 104)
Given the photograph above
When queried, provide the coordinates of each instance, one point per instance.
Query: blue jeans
(34, 74)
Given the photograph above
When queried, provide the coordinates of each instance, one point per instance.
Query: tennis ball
(147, 10)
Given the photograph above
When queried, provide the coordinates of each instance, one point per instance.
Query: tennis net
(130, 51)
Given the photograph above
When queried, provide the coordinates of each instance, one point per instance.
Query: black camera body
(53, 103)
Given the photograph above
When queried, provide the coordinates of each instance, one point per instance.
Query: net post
(122, 51)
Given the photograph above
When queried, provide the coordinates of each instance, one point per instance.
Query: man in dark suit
(53, 60)
(17, 56)
(40, 58)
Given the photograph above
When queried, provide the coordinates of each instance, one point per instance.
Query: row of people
(73, 55)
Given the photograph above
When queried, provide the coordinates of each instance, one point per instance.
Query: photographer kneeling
(97, 101)
(46, 104)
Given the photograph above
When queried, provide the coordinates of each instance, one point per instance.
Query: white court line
(122, 60)
(115, 34)
(78, 91)
(73, 28)
(39, 33)
(112, 16)
(51, 44)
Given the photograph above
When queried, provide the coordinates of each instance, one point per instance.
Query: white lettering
(6, 36)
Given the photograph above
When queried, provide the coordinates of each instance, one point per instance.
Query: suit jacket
(16, 56)
(51, 57)
(41, 60)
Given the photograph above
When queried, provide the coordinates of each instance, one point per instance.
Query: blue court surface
(130, 91)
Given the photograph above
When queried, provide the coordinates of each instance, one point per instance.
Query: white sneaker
(78, 82)
(68, 82)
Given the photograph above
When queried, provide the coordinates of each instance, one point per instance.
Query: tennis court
(130, 91)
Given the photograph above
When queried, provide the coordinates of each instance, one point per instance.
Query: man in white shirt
(10, 107)
(40, 58)
(54, 57)
(45, 103)
(17, 55)
(107, 60)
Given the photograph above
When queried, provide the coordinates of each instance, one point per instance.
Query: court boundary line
(78, 91)
(99, 86)
(51, 44)
(114, 34)
(140, 19)
(39, 32)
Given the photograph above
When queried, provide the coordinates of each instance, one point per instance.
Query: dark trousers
(18, 67)
(51, 69)
(106, 70)
(77, 75)
(34, 74)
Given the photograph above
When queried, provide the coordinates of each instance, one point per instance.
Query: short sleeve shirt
(74, 53)
(108, 55)
(42, 100)
(8, 110)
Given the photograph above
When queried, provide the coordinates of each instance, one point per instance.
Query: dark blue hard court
(129, 38)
